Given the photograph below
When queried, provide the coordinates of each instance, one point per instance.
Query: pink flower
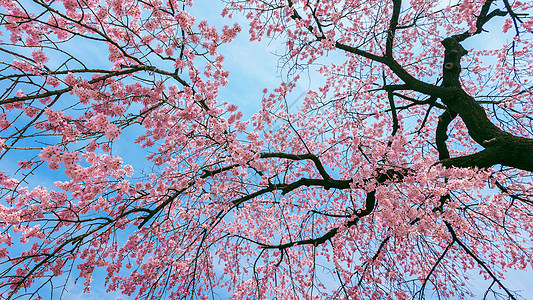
(39, 56)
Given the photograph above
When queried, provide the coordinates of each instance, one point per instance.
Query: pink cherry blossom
(401, 171)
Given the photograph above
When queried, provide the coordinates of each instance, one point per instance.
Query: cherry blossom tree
(405, 175)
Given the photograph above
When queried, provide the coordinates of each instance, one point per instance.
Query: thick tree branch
(441, 134)
(501, 147)
(397, 6)
(508, 151)
(310, 156)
